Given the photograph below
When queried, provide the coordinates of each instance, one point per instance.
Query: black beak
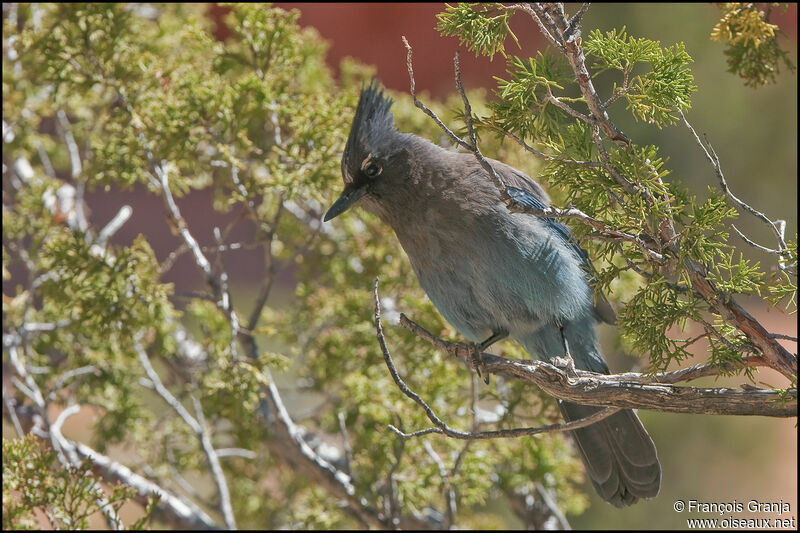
(350, 195)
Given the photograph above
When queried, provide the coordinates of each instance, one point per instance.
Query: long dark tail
(619, 455)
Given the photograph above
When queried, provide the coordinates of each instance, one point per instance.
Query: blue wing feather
(528, 200)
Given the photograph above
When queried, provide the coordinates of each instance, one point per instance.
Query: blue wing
(528, 200)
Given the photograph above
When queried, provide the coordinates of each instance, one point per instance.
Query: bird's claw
(477, 362)
(565, 363)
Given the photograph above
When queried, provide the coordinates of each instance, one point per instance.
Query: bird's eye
(372, 170)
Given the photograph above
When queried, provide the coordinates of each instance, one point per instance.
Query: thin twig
(162, 391)
(712, 157)
(575, 20)
(226, 301)
(496, 179)
(542, 155)
(62, 380)
(570, 45)
(391, 485)
(545, 31)
(754, 244)
(269, 267)
(58, 440)
(549, 502)
(77, 168)
(567, 109)
(422, 106)
(12, 413)
(782, 336)
(216, 468)
(198, 426)
(450, 494)
(348, 451)
(114, 225)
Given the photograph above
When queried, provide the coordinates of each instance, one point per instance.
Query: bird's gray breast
(486, 269)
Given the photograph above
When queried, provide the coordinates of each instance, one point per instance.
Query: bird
(494, 274)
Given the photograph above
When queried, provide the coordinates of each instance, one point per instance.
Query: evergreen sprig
(654, 95)
(481, 28)
(752, 43)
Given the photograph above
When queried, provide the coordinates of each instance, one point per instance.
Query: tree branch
(570, 45)
(712, 157)
(775, 355)
(631, 390)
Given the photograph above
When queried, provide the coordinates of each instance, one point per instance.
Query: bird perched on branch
(494, 274)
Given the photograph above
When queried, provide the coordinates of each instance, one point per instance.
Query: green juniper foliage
(653, 95)
(105, 96)
(752, 42)
(657, 83)
(482, 29)
(34, 480)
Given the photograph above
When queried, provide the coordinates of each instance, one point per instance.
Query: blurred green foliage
(33, 480)
(753, 50)
(259, 121)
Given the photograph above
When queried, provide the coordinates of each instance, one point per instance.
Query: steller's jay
(493, 273)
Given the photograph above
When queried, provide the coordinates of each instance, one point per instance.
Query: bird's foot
(476, 355)
(478, 349)
(566, 363)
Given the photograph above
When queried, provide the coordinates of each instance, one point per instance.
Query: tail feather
(619, 455)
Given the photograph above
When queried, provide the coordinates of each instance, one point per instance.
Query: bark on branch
(630, 390)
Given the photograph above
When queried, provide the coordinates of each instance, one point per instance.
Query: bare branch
(775, 355)
(269, 267)
(165, 394)
(542, 155)
(567, 109)
(62, 380)
(575, 20)
(216, 469)
(631, 390)
(198, 426)
(348, 451)
(77, 168)
(72, 146)
(712, 157)
(391, 482)
(8, 403)
(114, 225)
(546, 31)
(176, 511)
(754, 244)
(496, 179)
(111, 516)
(422, 106)
(450, 494)
(570, 46)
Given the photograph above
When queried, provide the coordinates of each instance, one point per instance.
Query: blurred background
(754, 132)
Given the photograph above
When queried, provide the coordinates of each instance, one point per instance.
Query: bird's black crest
(372, 123)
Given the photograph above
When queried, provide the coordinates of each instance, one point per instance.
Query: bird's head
(375, 155)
